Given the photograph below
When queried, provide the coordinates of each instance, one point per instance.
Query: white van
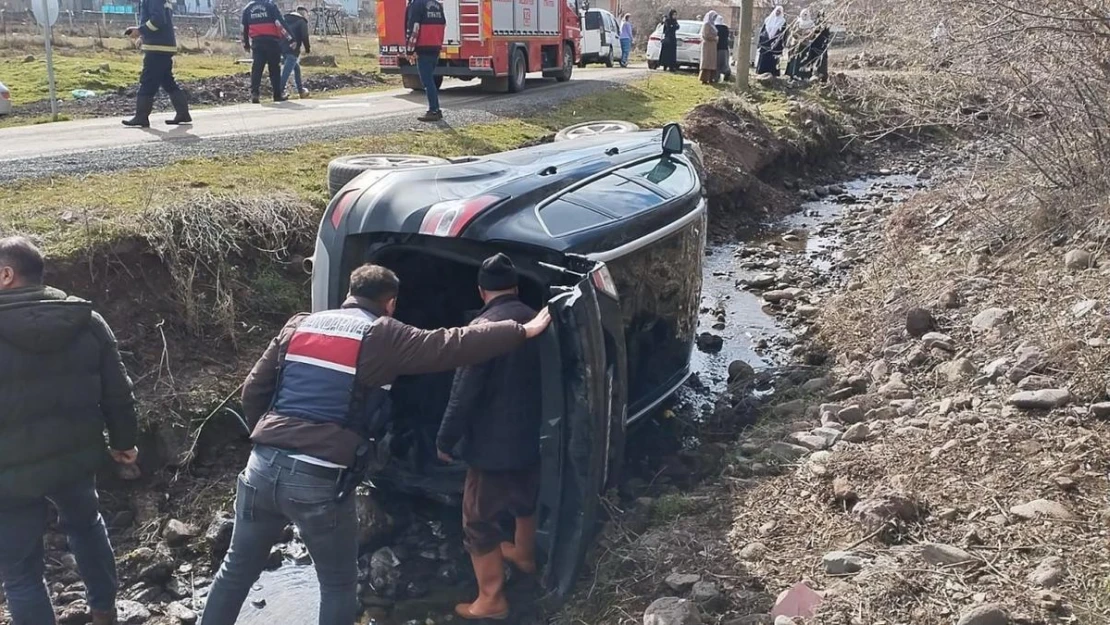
(601, 38)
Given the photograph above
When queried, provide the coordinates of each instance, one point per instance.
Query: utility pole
(744, 46)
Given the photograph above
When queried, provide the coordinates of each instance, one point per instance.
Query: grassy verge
(114, 64)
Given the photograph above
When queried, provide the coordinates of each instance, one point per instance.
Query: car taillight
(603, 282)
(692, 41)
(447, 219)
(341, 205)
(654, 38)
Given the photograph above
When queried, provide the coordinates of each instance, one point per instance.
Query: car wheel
(609, 59)
(589, 129)
(346, 168)
(517, 71)
(653, 64)
(568, 63)
(409, 81)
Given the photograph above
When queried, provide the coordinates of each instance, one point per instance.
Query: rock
(850, 414)
(956, 371)
(843, 493)
(218, 536)
(1065, 484)
(890, 510)
(710, 343)
(178, 588)
(178, 533)
(681, 582)
(989, 614)
(1049, 573)
(1045, 399)
(787, 452)
(76, 613)
(739, 371)
(707, 595)
(1029, 361)
(995, 368)
(842, 563)
(1101, 410)
(1078, 260)
(763, 280)
(858, 433)
(990, 319)
(792, 409)
(1042, 508)
(181, 614)
(753, 552)
(811, 442)
(945, 555)
(30, 58)
(131, 613)
(950, 299)
(896, 388)
(884, 413)
(1036, 383)
(919, 322)
(385, 572)
(374, 524)
(672, 611)
(936, 340)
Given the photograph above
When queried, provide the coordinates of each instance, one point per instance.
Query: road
(96, 145)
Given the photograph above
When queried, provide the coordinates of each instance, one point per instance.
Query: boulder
(1049, 573)
(710, 343)
(842, 563)
(989, 614)
(1045, 399)
(131, 613)
(812, 442)
(180, 614)
(1078, 260)
(672, 611)
(937, 340)
(739, 371)
(178, 533)
(990, 319)
(1029, 361)
(919, 322)
(858, 433)
(1042, 508)
(681, 582)
(850, 414)
(1101, 410)
(762, 281)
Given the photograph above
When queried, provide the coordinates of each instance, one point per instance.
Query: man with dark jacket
(155, 29)
(494, 411)
(298, 32)
(320, 394)
(264, 34)
(62, 383)
(425, 23)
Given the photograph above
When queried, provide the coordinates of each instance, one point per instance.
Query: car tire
(568, 63)
(585, 129)
(653, 64)
(518, 69)
(346, 168)
(609, 59)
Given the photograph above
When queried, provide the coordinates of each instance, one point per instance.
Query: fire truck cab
(498, 41)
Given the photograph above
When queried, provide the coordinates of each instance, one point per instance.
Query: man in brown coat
(319, 393)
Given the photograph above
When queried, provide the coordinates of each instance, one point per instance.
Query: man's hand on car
(444, 456)
(128, 456)
(536, 326)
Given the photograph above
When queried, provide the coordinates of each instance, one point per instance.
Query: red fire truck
(498, 41)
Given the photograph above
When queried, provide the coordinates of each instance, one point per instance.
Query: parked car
(5, 100)
(601, 39)
(689, 44)
(609, 230)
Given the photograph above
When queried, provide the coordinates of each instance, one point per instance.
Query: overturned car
(610, 229)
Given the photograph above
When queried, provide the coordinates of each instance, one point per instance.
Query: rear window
(689, 28)
(593, 20)
(562, 218)
(668, 174)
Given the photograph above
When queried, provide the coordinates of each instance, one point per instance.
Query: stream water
(290, 593)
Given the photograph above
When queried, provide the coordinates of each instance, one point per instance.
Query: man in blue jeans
(62, 383)
(298, 36)
(320, 395)
(425, 23)
(626, 38)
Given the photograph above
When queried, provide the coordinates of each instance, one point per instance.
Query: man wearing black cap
(494, 416)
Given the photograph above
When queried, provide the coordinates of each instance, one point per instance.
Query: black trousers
(157, 73)
(266, 52)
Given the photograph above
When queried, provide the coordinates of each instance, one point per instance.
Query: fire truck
(497, 41)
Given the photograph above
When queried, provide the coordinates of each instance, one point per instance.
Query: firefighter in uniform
(264, 34)
(425, 22)
(320, 396)
(159, 45)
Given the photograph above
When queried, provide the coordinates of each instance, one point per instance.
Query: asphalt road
(98, 145)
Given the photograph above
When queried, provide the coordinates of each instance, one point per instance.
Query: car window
(612, 22)
(616, 195)
(593, 20)
(668, 174)
(562, 217)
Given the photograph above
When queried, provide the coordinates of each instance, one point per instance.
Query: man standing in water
(320, 395)
(495, 412)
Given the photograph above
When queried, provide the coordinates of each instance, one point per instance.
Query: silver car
(5, 100)
(689, 44)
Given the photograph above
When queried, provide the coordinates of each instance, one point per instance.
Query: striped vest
(318, 380)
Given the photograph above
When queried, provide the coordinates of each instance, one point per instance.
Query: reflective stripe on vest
(270, 29)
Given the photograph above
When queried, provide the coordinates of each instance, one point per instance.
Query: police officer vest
(319, 373)
(261, 20)
(432, 26)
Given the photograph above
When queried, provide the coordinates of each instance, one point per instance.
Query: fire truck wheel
(409, 81)
(518, 68)
(568, 63)
(346, 168)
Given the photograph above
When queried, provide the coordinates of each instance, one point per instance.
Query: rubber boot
(491, 602)
(521, 553)
(144, 104)
(181, 107)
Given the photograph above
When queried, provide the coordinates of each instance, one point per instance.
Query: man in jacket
(264, 34)
(62, 383)
(320, 394)
(155, 29)
(494, 411)
(425, 23)
(298, 32)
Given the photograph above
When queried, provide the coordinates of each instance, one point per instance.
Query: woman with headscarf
(772, 40)
(708, 61)
(802, 33)
(723, 38)
(668, 52)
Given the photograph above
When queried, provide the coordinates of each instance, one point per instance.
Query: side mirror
(672, 139)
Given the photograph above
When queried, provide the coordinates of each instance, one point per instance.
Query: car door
(575, 435)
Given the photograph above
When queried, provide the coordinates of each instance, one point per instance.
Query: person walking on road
(495, 412)
(425, 23)
(708, 63)
(155, 31)
(298, 32)
(62, 383)
(264, 34)
(320, 396)
(626, 38)
(668, 50)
